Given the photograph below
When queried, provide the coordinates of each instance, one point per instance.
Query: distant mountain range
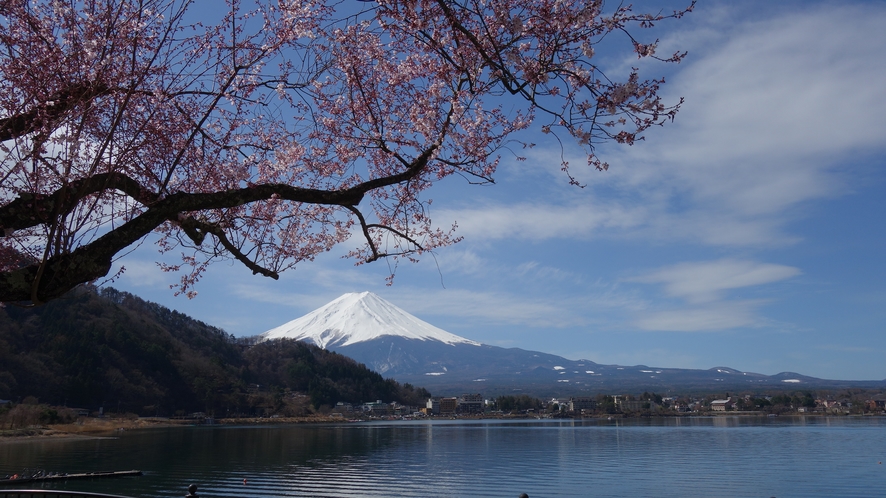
(394, 343)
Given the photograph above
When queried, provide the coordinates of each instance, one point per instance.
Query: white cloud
(489, 307)
(702, 286)
(535, 271)
(715, 317)
(143, 273)
(701, 282)
(537, 221)
(776, 116)
(772, 117)
(462, 261)
(842, 348)
(798, 85)
(271, 295)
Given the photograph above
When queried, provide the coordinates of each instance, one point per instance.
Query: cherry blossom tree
(282, 128)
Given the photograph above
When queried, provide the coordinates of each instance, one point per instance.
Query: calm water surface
(707, 457)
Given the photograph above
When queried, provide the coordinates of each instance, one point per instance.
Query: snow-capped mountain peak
(360, 317)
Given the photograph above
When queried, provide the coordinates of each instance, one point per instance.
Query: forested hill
(109, 348)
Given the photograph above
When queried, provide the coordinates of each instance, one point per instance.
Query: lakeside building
(636, 405)
(681, 408)
(466, 403)
(562, 403)
(432, 407)
(579, 403)
(448, 405)
(378, 408)
(401, 410)
(470, 403)
(722, 405)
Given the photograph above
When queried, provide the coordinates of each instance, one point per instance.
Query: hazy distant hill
(112, 349)
(391, 341)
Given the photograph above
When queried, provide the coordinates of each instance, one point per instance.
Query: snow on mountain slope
(360, 317)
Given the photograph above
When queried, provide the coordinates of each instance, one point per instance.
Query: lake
(703, 456)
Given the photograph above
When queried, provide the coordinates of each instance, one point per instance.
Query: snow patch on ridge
(360, 317)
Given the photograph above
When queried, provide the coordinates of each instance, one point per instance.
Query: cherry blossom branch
(56, 275)
(197, 230)
(282, 126)
(375, 253)
(45, 115)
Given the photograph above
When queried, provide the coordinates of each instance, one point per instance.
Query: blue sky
(750, 233)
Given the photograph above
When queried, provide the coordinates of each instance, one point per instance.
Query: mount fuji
(384, 337)
(360, 317)
(396, 344)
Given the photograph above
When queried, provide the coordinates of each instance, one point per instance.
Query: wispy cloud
(709, 318)
(540, 220)
(703, 286)
(270, 295)
(535, 271)
(842, 348)
(144, 273)
(772, 118)
(465, 261)
(702, 282)
(499, 308)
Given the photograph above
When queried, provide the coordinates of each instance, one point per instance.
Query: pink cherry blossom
(282, 128)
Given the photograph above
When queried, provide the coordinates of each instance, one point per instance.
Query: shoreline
(108, 428)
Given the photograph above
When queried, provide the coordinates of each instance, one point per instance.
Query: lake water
(679, 457)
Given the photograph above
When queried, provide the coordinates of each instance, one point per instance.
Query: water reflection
(728, 456)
